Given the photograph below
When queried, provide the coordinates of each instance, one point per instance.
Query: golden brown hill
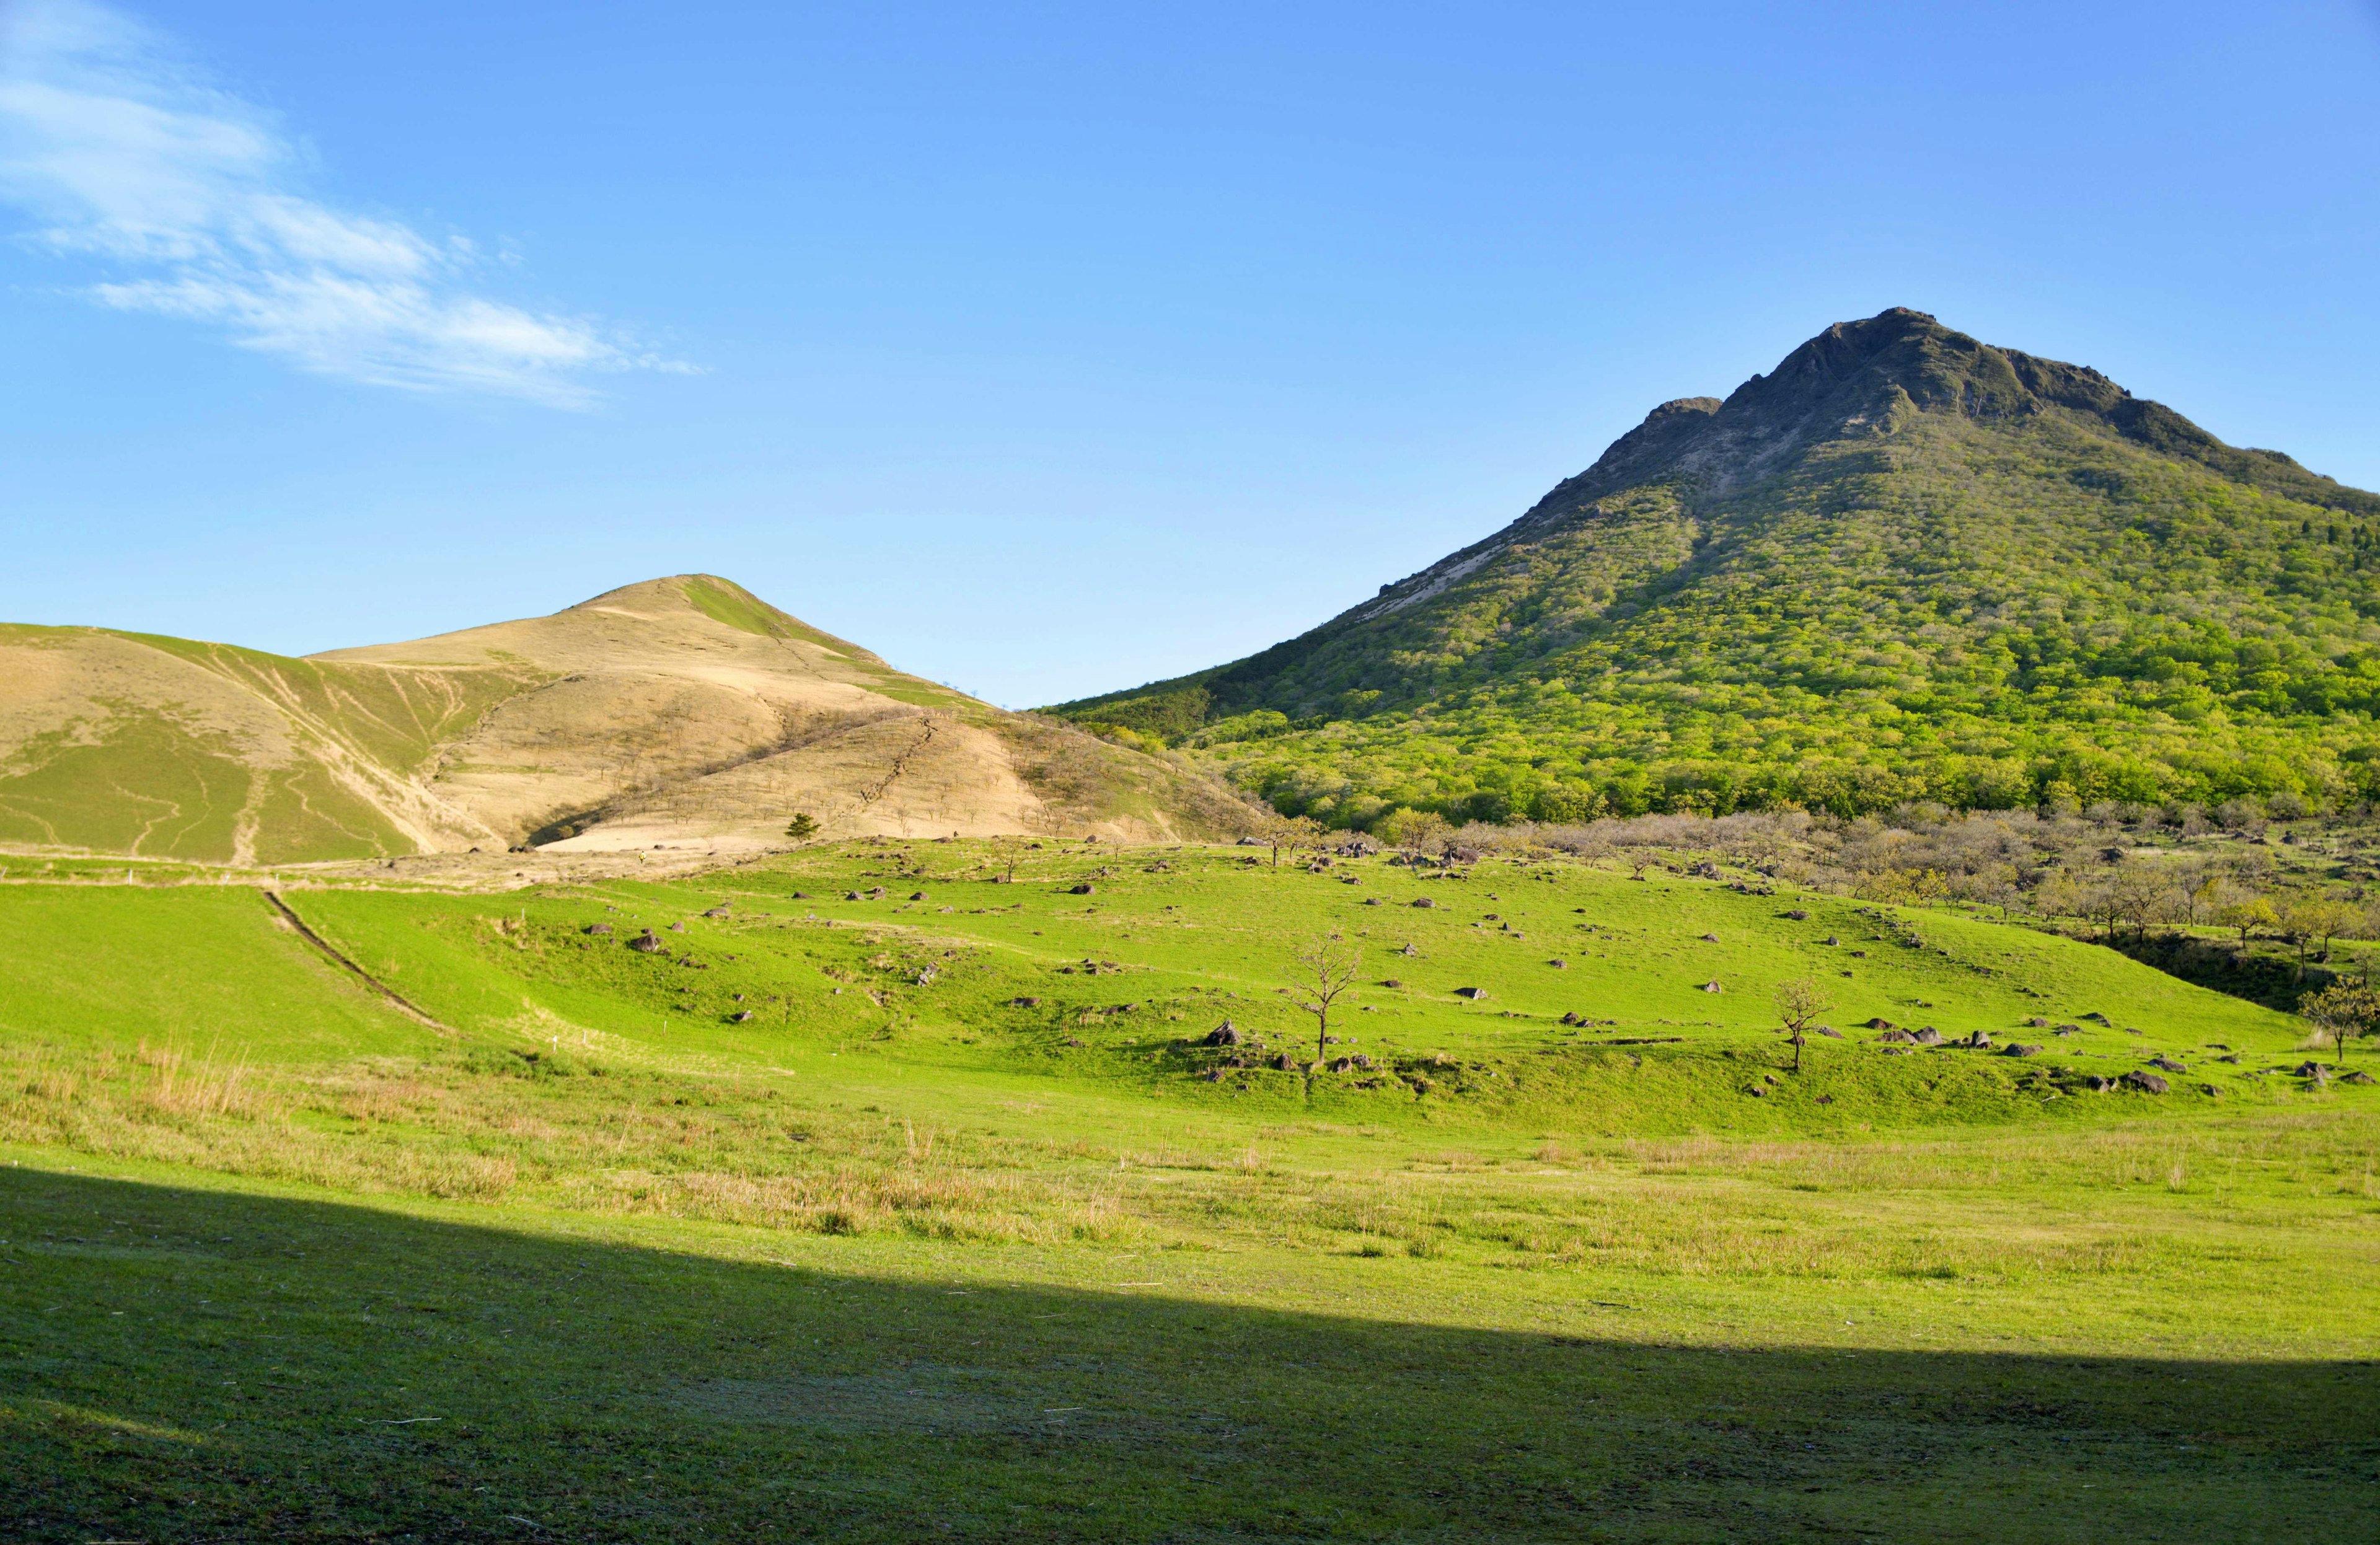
(676, 711)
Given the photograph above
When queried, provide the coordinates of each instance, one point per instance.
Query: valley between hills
(1817, 986)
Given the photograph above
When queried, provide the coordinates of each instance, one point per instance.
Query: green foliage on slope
(1904, 567)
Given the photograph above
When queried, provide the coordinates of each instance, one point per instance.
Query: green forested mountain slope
(1906, 565)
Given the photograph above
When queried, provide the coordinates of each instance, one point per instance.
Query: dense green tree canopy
(1904, 566)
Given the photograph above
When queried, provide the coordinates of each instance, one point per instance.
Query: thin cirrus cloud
(190, 200)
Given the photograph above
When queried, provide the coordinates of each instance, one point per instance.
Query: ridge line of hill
(1904, 565)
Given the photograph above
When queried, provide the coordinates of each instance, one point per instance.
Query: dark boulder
(1225, 1034)
(2147, 1083)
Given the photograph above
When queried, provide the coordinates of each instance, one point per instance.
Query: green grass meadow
(963, 1231)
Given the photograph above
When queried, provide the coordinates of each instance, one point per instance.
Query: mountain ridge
(670, 713)
(1931, 510)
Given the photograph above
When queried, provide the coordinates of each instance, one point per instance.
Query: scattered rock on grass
(2015, 1050)
(2357, 1076)
(646, 944)
(1879, 1023)
(1225, 1034)
(1926, 1035)
(1477, 994)
(1896, 1036)
(2167, 1063)
(2147, 1083)
(601, 930)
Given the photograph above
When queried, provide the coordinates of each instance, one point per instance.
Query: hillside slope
(1905, 564)
(675, 710)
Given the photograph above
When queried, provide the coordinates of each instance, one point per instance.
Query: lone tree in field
(1422, 832)
(802, 828)
(2341, 1010)
(1799, 1003)
(1318, 975)
(1288, 830)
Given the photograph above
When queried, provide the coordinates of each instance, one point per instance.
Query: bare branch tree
(1318, 975)
(1799, 1003)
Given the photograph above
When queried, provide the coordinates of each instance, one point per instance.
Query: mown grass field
(954, 1236)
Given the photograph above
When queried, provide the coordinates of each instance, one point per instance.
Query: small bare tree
(1799, 1003)
(1319, 975)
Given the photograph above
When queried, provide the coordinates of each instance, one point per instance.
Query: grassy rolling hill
(889, 1199)
(677, 712)
(1905, 564)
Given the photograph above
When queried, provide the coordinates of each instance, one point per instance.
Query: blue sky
(1052, 348)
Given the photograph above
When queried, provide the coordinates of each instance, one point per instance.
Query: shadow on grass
(193, 1366)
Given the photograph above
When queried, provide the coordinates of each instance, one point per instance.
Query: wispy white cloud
(195, 202)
